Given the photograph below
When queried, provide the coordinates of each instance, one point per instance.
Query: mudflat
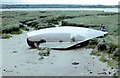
(18, 59)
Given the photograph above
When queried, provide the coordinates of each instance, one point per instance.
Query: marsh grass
(46, 19)
(112, 40)
(110, 62)
(6, 36)
(107, 49)
(95, 53)
(24, 28)
(9, 28)
(105, 56)
(92, 43)
(16, 32)
(37, 19)
(103, 59)
(44, 51)
(111, 22)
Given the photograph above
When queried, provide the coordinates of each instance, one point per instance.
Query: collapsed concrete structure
(61, 37)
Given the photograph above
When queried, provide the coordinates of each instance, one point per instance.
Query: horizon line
(55, 4)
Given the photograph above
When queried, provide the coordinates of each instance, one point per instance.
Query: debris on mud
(75, 63)
(44, 51)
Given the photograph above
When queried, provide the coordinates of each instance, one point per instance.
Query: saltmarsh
(110, 22)
(12, 19)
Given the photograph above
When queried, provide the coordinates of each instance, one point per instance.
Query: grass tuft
(6, 36)
(103, 59)
(44, 51)
(95, 53)
(16, 32)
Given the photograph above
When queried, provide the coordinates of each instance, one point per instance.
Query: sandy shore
(19, 60)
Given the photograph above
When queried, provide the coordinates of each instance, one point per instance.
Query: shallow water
(64, 9)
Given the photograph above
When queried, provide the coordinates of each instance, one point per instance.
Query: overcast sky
(103, 2)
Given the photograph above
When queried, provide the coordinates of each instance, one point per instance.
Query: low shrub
(9, 28)
(102, 46)
(93, 41)
(103, 59)
(24, 28)
(32, 23)
(44, 25)
(111, 63)
(44, 51)
(95, 53)
(116, 52)
(16, 32)
(65, 23)
(91, 46)
(6, 36)
(111, 48)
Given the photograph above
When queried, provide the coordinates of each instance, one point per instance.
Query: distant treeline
(4, 6)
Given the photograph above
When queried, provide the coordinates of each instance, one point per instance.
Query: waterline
(62, 9)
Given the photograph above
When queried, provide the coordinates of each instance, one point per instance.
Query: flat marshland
(19, 59)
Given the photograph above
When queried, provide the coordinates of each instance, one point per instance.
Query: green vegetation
(95, 53)
(13, 22)
(111, 40)
(108, 50)
(111, 63)
(6, 36)
(103, 59)
(9, 28)
(110, 21)
(103, 47)
(24, 28)
(92, 43)
(44, 51)
(16, 32)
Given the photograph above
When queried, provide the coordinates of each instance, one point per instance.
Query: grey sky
(106, 2)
